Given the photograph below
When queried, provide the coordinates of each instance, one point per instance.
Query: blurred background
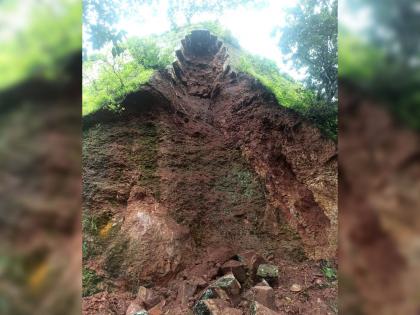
(40, 148)
(40, 109)
(379, 121)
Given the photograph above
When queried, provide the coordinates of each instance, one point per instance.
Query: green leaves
(290, 93)
(107, 80)
(148, 53)
(329, 272)
(42, 46)
(310, 41)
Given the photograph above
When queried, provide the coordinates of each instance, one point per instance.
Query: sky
(252, 27)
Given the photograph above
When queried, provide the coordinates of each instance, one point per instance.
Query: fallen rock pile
(229, 284)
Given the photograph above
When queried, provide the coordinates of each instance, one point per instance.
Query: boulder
(237, 268)
(229, 284)
(259, 309)
(263, 295)
(268, 272)
(147, 234)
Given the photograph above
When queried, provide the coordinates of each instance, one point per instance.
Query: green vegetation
(114, 81)
(90, 282)
(109, 78)
(309, 40)
(40, 48)
(92, 226)
(329, 272)
(290, 93)
(383, 59)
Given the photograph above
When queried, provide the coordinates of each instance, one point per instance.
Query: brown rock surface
(202, 166)
(237, 268)
(263, 295)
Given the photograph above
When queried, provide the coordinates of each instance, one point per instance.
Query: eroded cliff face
(297, 166)
(201, 158)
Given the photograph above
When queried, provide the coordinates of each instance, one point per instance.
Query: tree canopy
(309, 39)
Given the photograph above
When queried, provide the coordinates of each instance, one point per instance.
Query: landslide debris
(204, 190)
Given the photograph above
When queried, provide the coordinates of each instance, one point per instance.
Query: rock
(263, 283)
(200, 282)
(147, 298)
(214, 293)
(134, 308)
(220, 255)
(252, 260)
(295, 288)
(185, 291)
(268, 272)
(157, 309)
(226, 288)
(148, 234)
(229, 284)
(232, 311)
(259, 309)
(237, 268)
(209, 307)
(263, 295)
(215, 307)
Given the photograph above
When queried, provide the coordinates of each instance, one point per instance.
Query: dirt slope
(201, 159)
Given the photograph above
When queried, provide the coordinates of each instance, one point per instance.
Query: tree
(309, 40)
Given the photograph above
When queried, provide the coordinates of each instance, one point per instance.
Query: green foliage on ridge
(108, 79)
(290, 93)
(115, 79)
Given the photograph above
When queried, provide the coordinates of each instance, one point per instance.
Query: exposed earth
(205, 196)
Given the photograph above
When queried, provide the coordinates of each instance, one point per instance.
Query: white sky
(252, 27)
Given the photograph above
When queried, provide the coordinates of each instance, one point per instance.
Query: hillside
(200, 172)
(114, 73)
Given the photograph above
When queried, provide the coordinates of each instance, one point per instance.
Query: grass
(92, 226)
(90, 282)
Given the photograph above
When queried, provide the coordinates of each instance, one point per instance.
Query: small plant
(329, 271)
(90, 282)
